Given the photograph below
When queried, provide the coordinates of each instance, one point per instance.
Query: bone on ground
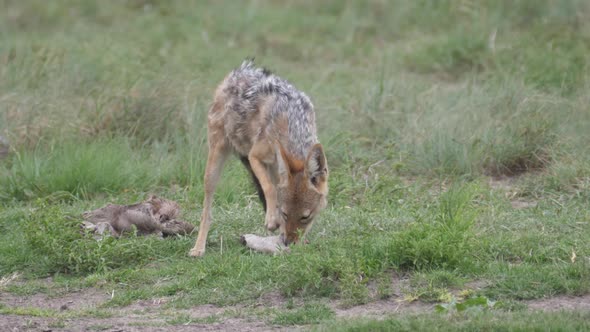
(269, 244)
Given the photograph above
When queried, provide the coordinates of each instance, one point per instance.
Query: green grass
(468, 322)
(420, 105)
(307, 314)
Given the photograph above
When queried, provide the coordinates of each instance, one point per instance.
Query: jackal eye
(306, 218)
(285, 216)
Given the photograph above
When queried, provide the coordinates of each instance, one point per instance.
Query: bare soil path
(74, 312)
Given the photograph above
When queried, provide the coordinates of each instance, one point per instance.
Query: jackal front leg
(218, 153)
(260, 155)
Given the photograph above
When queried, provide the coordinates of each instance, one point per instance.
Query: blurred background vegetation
(104, 96)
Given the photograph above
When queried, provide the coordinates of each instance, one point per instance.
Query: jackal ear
(316, 166)
(282, 167)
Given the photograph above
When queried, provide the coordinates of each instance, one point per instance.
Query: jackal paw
(196, 252)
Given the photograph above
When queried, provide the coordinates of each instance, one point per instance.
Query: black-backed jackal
(271, 126)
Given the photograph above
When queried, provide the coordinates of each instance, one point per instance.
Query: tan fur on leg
(218, 153)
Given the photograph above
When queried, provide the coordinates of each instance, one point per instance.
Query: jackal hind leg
(218, 152)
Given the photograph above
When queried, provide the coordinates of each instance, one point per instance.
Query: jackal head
(302, 191)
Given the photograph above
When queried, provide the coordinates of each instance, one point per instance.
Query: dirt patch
(144, 315)
(504, 183)
(271, 299)
(80, 300)
(396, 303)
(155, 315)
(476, 284)
(572, 303)
(507, 184)
(124, 324)
(383, 308)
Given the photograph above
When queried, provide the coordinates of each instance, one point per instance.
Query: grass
(436, 116)
(307, 314)
(468, 322)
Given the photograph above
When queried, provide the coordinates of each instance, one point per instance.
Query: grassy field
(456, 132)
